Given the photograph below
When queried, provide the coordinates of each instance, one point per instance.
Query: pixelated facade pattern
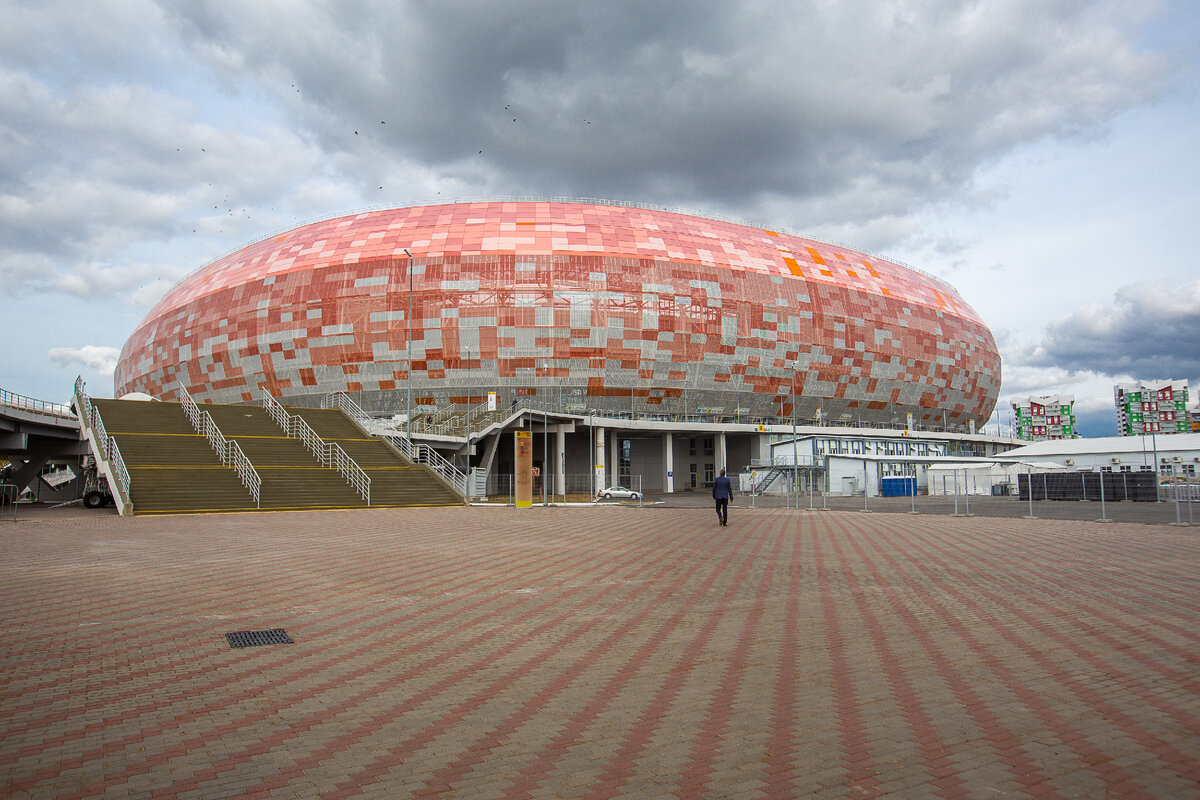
(586, 306)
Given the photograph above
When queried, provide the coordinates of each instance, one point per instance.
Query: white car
(619, 492)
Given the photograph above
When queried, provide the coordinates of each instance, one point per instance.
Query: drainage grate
(255, 638)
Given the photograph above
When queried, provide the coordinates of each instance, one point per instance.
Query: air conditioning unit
(1070, 462)
(1176, 458)
(1115, 460)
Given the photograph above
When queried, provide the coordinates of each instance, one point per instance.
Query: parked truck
(96, 493)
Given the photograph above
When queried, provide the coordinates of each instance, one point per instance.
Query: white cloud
(96, 359)
(613, 99)
(905, 124)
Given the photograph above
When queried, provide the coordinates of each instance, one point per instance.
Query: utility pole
(408, 372)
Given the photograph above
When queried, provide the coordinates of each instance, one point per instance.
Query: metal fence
(8, 499)
(1175, 504)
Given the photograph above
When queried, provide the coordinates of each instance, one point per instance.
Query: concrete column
(720, 455)
(598, 457)
(614, 459)
(560, 469)
(669, 461)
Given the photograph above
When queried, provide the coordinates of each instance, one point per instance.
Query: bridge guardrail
(20, 401)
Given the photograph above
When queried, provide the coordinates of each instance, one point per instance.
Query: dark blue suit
(722, 492)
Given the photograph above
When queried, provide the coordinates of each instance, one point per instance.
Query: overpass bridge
(34, 433)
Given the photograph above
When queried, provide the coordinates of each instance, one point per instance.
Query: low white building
(879, 464)
(850, 468)
(1177, 457)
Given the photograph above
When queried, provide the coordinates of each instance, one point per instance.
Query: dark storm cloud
(128, 126)
(879, 108)
(96, 157)
(1149, 332)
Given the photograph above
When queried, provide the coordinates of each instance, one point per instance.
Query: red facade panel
(596, 303)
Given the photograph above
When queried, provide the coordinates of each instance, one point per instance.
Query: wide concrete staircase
(394, 481)
(292, 478)
(174, 470)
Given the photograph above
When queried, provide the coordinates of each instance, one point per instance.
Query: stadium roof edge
(558, 199)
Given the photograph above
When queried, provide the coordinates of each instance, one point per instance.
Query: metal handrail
(801, 460)
(245, 471)
(274, 410)
(215, 437)
(424, 454)
(89, 415)
(232, 456)
(14, 400)
(298, 428)
(404, 445)
(342, 400)
(190, 408)
(349, 469)
(229, 451)
(443, 467)
(102, 437)
(117, 463)
(455, 427)
(330, 454)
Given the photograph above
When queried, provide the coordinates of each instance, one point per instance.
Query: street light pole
(1157, 477)
(470, 408)
(545, 435)
(408, 372)
(795, 461)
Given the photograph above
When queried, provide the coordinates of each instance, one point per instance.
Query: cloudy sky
(1041, 157)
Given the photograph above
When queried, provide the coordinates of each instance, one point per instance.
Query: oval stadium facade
(588, 305)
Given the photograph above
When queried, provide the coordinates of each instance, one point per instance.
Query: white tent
(978, 478)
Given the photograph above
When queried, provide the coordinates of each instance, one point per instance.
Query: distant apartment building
(1152, 407)
(1040, 419)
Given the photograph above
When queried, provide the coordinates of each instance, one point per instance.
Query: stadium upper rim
(593, 201)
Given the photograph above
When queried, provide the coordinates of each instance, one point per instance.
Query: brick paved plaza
(598, 652)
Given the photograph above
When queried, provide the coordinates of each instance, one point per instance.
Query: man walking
(722, 492)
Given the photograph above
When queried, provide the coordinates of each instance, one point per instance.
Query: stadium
(575, 308)
(613, 307)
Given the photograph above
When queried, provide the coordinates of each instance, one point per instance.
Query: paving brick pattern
(598, 652)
